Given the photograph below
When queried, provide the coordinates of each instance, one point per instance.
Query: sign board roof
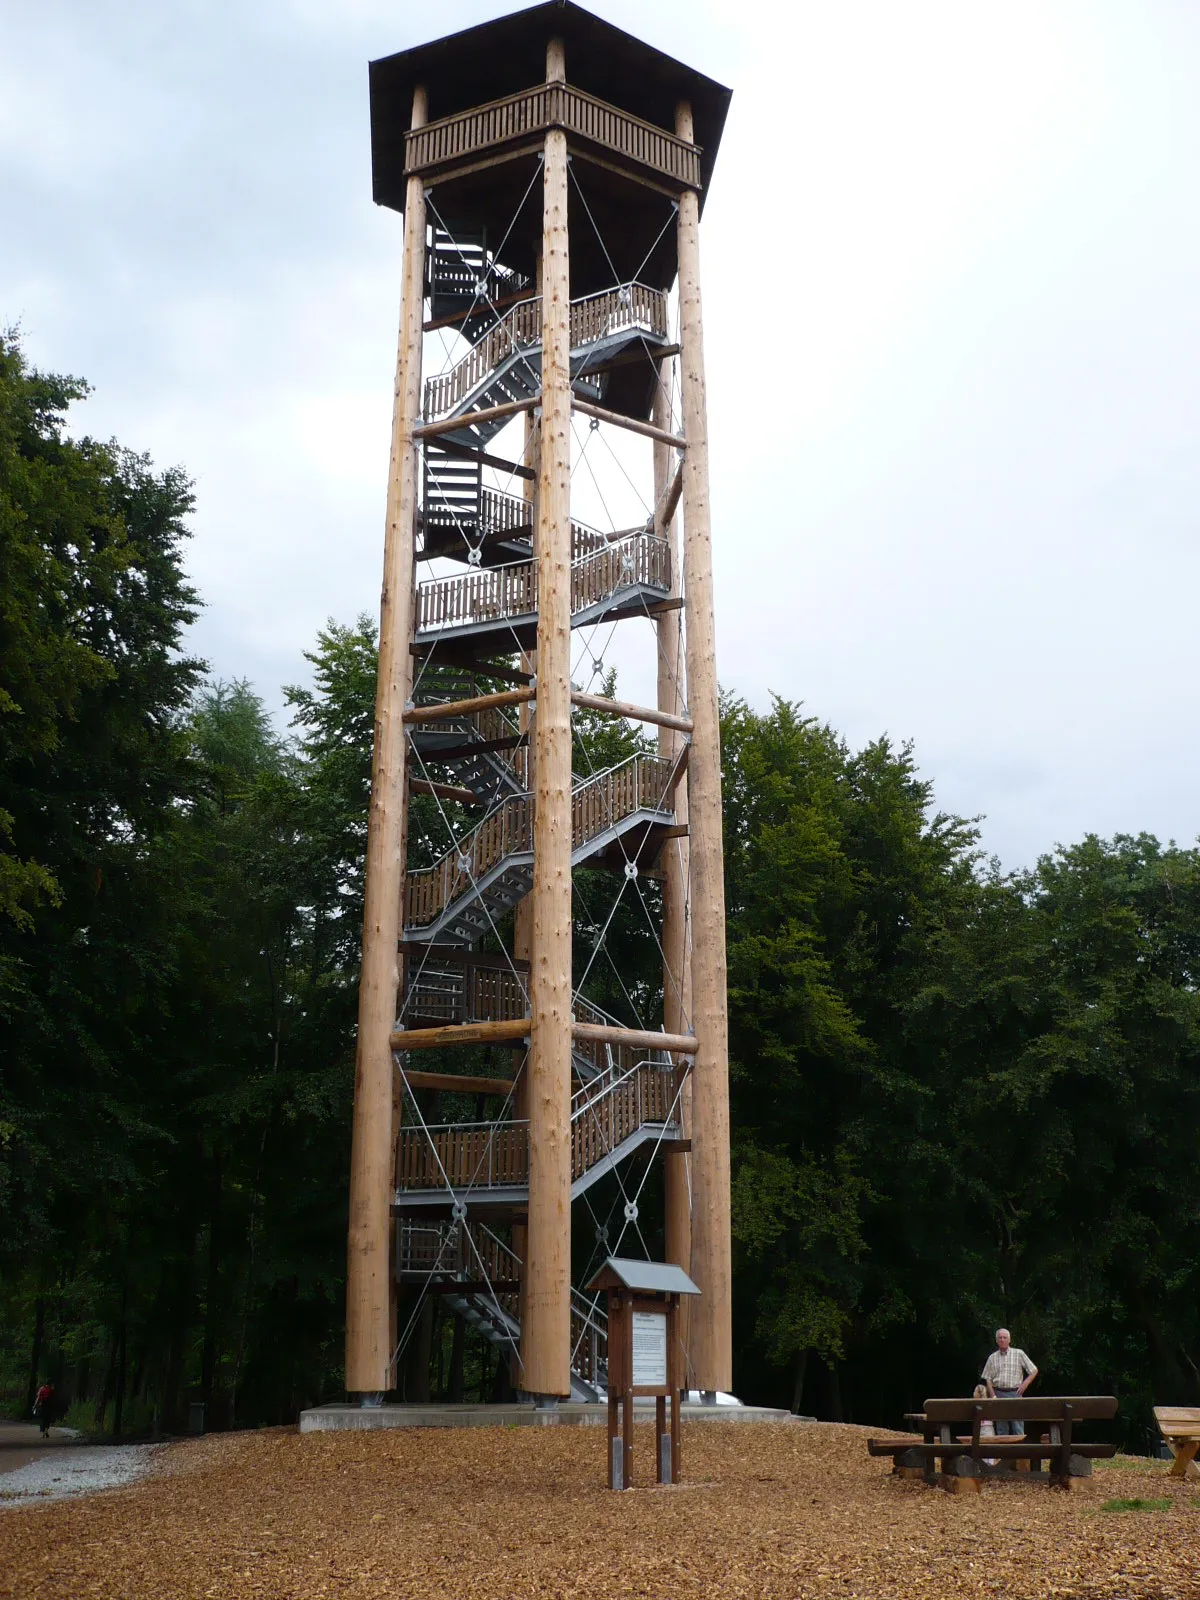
(643, 1277)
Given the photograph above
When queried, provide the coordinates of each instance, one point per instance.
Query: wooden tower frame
(564, 312)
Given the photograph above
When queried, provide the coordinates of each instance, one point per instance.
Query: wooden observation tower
(551, 170)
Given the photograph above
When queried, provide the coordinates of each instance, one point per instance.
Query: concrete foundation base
(568, 1413)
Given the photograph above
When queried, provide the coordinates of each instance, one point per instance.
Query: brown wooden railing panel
(489, 594)
(605, 1115)
(453, 139)
(639, 784)
(507, 831)
(478, 1155)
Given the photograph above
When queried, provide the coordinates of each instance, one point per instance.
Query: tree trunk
(835, 1393)
(208, 1360)
(798, 1382)
(35, 1353)
(458, 1347)
(500, 1383)
(420, 1353)
(119, 1402)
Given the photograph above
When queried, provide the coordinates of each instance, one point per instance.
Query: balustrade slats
(640, 783)
(533, 110)
(493, 593)
(468, 1155)
(487, 1155)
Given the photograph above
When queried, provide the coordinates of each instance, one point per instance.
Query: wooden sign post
(644, 1358)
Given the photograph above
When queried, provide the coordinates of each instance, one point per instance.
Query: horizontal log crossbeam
(454, 1083)
(517, 1028)
(632, 424)
(466, 708)
(512, 697)
(474, 419)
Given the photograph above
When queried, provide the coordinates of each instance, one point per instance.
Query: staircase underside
(622, 371)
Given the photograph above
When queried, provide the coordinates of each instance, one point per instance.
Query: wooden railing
(477, 1155)
(640, 783)
(518, 329)
(493, 516)
(482, 595)
(595, 317)
(639, 558)
(503, 513)
(490, 1155)
(492, 594)
(605, 1114)
(452, 986)
(513, 119)
(506, 831)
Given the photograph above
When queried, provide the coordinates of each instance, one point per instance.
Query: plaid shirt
(1005, 1369)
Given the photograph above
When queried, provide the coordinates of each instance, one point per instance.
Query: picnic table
(1180, 1427)
(967, 1458)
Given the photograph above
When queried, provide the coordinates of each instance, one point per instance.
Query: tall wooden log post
(523, 916)
(711, 1333)
(546, 1328)
(677, 1001)
(368, 1269)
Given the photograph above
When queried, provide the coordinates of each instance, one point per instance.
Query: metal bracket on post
(664, 1458)
(616, 1466)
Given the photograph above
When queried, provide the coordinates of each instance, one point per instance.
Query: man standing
(1008, 1373)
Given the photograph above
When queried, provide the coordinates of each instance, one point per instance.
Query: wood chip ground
(785, 1510)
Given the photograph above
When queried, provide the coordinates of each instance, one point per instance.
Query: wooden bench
(1180, 1427)
(965, 1460)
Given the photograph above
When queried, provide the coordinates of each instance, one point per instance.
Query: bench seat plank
(1017, 1449)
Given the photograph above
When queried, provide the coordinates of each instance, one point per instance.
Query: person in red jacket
(43, 1408)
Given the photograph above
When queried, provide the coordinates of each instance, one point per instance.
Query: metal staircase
(464, 281)
(611, 335)
(616, 327)
(479, 1277)
(626, 1096)
(462, 896)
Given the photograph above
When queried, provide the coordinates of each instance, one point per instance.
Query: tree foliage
(959, 1097)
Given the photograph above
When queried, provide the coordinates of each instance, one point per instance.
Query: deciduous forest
(961, 1096)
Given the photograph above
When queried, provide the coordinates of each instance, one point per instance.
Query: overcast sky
(952, 304)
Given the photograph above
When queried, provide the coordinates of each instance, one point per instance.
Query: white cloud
(953, 345)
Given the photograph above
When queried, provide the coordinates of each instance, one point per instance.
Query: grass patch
(1129, 1464)
(1123, 1503)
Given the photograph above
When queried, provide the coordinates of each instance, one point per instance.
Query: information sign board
(650, 1349)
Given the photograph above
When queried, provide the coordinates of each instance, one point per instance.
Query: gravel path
(75, 1470)
(766, 1512)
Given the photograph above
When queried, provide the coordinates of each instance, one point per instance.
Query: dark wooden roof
(508, 55)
